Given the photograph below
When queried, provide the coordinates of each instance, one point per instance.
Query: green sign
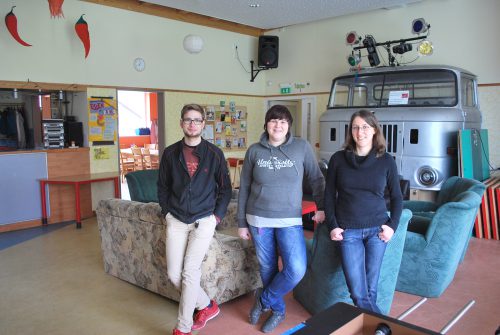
(285, 90)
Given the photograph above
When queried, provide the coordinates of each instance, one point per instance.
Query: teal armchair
(142, 185)
(438, 236)
(324, 282)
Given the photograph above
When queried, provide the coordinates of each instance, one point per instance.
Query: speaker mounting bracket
(255, 71)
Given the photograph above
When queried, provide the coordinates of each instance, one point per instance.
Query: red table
(308, 207)
(77, 181)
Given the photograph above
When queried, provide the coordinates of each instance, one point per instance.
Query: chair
(235, 164)
(149, 160)
(138, 160)
(151, 146)
(438, 237)
(142, 185)
(324, 282)
(126, 164)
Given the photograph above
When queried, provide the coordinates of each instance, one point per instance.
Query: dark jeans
(362, 255)
(292, 249)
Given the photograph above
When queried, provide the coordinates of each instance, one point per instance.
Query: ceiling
(270, 14)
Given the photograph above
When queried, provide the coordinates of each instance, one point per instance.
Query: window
(468, 93)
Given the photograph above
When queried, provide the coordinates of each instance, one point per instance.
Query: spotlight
(353, 60)
(351, 38)
(15, 93)
(425, 48)
(418, 26)
(370, 44)
(401, 48)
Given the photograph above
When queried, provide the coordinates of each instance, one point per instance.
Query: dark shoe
(274, 320)
(257, 308)
(207, 313)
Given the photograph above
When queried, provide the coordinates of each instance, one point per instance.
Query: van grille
(390, 132)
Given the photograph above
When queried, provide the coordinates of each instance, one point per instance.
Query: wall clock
(139, 64)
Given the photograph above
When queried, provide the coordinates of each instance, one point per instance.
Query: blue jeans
(292, 249)
(362, 254)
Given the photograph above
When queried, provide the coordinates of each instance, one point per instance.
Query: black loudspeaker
(268, 51)
(73, 132)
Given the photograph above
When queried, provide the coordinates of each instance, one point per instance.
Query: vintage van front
(420, 110)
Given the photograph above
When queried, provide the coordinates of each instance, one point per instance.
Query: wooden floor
(54, 283)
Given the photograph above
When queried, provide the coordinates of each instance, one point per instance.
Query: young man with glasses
(194, 190)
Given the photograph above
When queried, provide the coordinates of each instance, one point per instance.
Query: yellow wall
(174, 102)
(103, 190)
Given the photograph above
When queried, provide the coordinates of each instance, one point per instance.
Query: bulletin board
(103, 119)
(226, 127)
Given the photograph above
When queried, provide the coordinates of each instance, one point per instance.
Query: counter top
(27, 151)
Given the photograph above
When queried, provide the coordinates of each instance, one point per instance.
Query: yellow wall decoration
(103, 119)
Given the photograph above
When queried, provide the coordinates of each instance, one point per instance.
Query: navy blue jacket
(207, 192)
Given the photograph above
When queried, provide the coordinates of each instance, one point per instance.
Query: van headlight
(427, 176)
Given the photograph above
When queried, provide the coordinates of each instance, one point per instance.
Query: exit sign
(285, 90)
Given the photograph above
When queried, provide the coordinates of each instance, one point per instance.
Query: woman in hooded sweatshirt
(270, 210)
(355, 207)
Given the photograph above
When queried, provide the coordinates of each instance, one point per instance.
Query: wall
(117, 38)
(310, 53)
(103, 190)
(175, 100)
(461, 32)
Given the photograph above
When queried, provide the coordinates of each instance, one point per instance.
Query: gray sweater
(271, 179)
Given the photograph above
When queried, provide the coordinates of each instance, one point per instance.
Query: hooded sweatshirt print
(271, 179)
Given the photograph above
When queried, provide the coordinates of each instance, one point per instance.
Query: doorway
(303, 110)
(137, 133)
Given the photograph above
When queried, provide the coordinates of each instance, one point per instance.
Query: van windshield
(419, 88)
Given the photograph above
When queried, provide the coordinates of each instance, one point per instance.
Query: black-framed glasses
(195, 121)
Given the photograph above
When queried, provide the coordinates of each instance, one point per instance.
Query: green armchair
(142, 185)
(438, 236)
(324, 282)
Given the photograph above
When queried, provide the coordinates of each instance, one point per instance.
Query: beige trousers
(186, 247)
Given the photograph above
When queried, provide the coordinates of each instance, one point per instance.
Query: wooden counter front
(68, 162)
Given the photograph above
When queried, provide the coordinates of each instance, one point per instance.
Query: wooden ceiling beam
(179, 15)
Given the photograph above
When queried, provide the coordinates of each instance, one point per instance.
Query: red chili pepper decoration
(11, 23)
(55, 7)
(82, 30)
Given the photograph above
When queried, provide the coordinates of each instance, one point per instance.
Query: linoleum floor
(55, 284)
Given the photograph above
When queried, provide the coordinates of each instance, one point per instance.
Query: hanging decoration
(11, 23)
(82, 30)
(55, 7)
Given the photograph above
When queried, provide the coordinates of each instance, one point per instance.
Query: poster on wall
(103, 119)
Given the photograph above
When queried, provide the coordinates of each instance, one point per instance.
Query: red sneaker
(178, 332)
(207, 313)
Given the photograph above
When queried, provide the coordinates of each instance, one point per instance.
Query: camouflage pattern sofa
(133, 247)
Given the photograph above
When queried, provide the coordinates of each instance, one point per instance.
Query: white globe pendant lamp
(193, 44)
